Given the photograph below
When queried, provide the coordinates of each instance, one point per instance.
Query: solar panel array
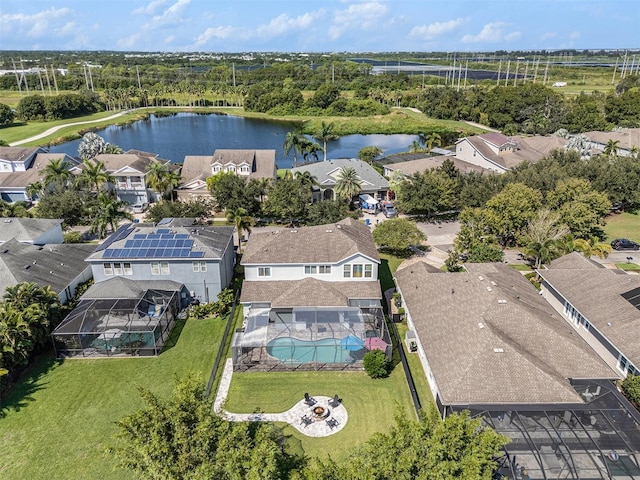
(633, 297)
(122, 232)
(161, 244)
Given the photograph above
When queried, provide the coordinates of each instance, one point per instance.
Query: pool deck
(293, 416)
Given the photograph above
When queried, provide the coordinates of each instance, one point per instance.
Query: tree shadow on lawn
(30, 381)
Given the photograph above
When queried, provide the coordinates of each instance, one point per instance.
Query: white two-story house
(307, 294)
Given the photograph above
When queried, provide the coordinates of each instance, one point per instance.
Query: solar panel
(181, 236)
(153, 235)
(140, 236)
(165, 221)
(162, 243)
(633, 297)
(196, 254)
(188, 243)
(119, 234)
(163, 230)
(107, 254)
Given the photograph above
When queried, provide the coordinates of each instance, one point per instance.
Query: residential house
(413, 163)
(602, 306)
(491, 345)
(200, 257)
(22, 166)
(130, 170)
(60, 266)
(628, 140)
(315, 285)
(327, 174)
(499, 153)
(246, 163)
(37, 231)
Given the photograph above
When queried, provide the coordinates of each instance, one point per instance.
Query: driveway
(440, 235)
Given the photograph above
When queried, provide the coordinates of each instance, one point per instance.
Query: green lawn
(371, 404)
(389, 264)
(60, 420)
(628, 267)
(623, 225)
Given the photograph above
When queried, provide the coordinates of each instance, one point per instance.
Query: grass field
(371, 404)
(60, 419)
(623, 225)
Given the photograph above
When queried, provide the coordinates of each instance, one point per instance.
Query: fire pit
(319, 413)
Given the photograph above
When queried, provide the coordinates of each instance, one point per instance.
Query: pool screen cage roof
(597, 440)
(324, 330)
(110, 326)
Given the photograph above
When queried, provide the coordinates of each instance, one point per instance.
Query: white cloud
(37, 25)
(358, 16)
(548, 35)
(150, 9)
(284, 23)
(70, 28)
(171, 15)
(433, 30)
(491, 33)
(574, 35)
(218, 33)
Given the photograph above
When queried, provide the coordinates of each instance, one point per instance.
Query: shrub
(73, 237)
(631, 389)
(376, 364)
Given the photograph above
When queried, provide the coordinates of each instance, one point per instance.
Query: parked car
(624, 244)
(389, 210)
(138, 208)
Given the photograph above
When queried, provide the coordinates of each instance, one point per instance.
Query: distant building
(245, 163)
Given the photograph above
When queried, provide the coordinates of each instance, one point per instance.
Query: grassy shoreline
(399, 121)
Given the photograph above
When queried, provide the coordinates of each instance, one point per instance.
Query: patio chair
(335, 401)
(309, 400)
(306, 421)
(332, 423)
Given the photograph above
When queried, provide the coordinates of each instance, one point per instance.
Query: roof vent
(34, 262)
(5, 250)
(480, 277)
(502, 301)
(498, 350)
(480, 325)
(26, 267)
(338, 227)
(329, 231)
(294, 231)
(493, 283)
(7, 220)
(489, 289)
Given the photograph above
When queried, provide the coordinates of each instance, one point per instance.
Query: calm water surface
(173, 137)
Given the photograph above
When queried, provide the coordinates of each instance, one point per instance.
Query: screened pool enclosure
(308, 338)
(118, 327)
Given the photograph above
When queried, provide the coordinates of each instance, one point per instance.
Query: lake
(172, 137)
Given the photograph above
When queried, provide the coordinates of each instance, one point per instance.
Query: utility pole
(46, 74)
(466, 69)
(526, 71)
(515, 77)
(41, 84)
(546, 71)
(614, 71)
(90, 77)
(506, 79)
(138, 75)
(499, 71)
(18, 79)
(55, 81)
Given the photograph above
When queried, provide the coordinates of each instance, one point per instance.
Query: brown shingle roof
(17, 154)
(489, 337)
(427, 163)
(597, 294)
(309, 292)
(323, 243)
(263, 163)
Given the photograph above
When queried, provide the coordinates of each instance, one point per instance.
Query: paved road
(53, 130)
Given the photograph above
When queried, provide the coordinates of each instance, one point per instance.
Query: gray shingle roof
(211, 240)
(596, 294)
(325, 172)
(25, 229)
(121, 287)
(419, 165)
(490, 338)
(17, 154)
(54, 265)
(323, 243)
(574, 260)
(309, 292)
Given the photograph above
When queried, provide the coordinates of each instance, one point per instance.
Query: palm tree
(611, 149)
(161, 179)
(35, 190)
(429, 140)
(310, 149)
(112, 149)
(416, 147)
(593, 246)
(293, 141)
(241, 221)
(542, 251)
(108, 213)
(325, 134)
(57, 173)
(95, 174)
(348, 184)
(307, 180)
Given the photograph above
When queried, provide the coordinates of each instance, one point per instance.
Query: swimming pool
(292, 350)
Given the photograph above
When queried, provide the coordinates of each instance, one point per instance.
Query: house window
(368, 271)
(155, 268)
(625, 365)
(199, 266)
(108, 269)
(357, 270)
(244, 169)
(264, 271)
(231, 168)
(346, 272)
(160, 268)
(117, 268)
(164, 268)
(127, 268)
(310, 269)
(324, 269)
(217, 169)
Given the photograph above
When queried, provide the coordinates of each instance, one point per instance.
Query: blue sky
(318, 26)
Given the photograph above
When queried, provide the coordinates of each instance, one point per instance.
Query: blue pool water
(292, 350)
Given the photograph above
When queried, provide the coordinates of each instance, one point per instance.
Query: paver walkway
(318, 428)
